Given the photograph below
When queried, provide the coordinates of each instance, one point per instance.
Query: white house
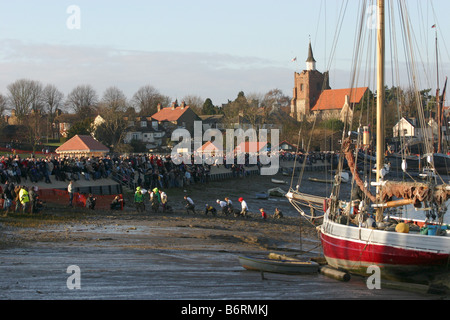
(410, 128)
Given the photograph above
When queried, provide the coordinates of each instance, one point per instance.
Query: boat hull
(400, 256)
(278, 266)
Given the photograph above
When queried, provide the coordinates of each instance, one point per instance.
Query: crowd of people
(19, 199)
(146, 170)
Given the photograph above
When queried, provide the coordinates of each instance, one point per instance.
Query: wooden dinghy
(278, 266)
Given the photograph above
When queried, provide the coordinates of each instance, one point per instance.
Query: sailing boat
(353, 241)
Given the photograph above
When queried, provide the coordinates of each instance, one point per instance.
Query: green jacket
(23, 196)
(138, 197)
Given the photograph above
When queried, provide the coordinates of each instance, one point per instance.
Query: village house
(176, 116)
(146, 130)
(313, 98)
(409, 128)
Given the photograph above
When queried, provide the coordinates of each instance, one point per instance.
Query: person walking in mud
(190, 205)
(229, 206)
(263, 213)
(164, 202)
(139, 200)
(278, 214)
(155, 199)
(244, 207)
(210, 209)
(224, 206)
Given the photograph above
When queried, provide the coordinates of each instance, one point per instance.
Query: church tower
(309, 84)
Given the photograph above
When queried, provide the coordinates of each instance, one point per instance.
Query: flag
(433, 26)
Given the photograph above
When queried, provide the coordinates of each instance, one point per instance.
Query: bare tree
(82, 100)
(195, 103)
(3, 104)
(53, 100)
(147, 98)
(25, 96)
(115, 100)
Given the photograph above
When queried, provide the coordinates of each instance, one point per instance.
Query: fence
(61, 197)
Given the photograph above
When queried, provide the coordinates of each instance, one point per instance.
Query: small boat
(276, 192)
(345, 177)
(262, 195)
(278, 181)
(278, 266)
(320, 180)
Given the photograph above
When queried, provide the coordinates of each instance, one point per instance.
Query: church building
(313, 97)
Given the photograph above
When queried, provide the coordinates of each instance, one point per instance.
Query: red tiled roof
(250, 147)
(335, 98)
(82, 143)
(169, 114)
(208, 146)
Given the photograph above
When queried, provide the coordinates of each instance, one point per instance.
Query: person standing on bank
(70, 191)
(24, 199)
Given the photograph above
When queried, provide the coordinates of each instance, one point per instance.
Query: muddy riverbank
(132, 256)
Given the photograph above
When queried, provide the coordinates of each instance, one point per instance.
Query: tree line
(36, 107)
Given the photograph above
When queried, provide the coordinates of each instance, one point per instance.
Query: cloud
(176, 74)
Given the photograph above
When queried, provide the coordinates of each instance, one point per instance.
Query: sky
(210, 49)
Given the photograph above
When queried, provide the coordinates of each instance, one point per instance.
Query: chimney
(173, 105)
(183, 105)
(158, 108)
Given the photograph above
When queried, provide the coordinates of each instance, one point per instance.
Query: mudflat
(169, 256)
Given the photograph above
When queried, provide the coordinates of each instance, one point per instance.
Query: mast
(438, 98)
(380, 100)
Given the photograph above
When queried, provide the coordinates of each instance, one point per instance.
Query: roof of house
(333, 99)
(82, 143)
(208, 146)
(170, 113)
(250, 146)
(284, 142)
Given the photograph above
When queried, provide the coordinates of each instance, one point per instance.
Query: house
(286, 146)
(176, 116)
(335, 103)
(407, 128)
(210, 149)
(250, 147)
(82, 146)
(146, 130)
(214, 121)
(62, 124)
(313, 97)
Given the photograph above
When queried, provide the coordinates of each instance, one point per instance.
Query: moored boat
(278, 266)
(357, 233)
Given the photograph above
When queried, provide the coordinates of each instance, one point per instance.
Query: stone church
(313, 97)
